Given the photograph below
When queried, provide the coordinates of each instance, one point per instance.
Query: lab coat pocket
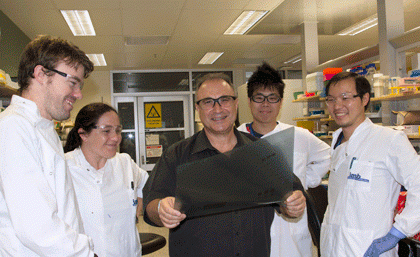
(360, 175)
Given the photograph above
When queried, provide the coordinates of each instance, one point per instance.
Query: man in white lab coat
(289, 237)
(38, 211)
(368, 166)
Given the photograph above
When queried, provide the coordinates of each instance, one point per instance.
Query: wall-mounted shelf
(6, 91)
(316, 98)
(402, 96)
(314, 117)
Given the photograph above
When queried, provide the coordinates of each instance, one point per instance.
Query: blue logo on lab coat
(135, 202)
(357, 177)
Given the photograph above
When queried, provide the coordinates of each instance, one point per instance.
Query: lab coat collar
(361, 129)
(31, 112)
(80, 161)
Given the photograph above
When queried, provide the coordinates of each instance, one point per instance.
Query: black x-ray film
(259, 173)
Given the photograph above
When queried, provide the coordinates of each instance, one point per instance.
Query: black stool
(151, 242)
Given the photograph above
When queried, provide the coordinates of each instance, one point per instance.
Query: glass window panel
(197, 75)
(126, 113)
(128, 144)
(172, 114)
(150, 82)
(166, 139)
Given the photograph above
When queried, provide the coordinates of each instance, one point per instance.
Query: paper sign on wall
(153, 115)
(154, 151)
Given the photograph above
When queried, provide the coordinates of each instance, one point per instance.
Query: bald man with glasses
(235, 233)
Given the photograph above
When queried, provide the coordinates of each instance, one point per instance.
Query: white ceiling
(195, 27)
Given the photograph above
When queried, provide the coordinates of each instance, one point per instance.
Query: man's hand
(168, 215)
(295, 205)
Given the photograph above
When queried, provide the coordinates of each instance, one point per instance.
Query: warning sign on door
(153, 115)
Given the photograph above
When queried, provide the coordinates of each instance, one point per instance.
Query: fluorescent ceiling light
(210, 57)
(294, 59)
(97, 59)
(360, 26)
(244, 22)
(79, 22)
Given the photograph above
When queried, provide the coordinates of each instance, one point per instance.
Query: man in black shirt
(236, 233)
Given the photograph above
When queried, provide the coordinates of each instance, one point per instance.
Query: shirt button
(237, 254)
(51, 173)
(347, 154)
(98, 182)
(237, 233)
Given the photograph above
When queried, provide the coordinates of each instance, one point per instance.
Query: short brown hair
(47, 51)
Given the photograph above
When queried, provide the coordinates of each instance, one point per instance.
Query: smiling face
(350, 113)
(60, 93)
(265, 112)
(102, 142)
(217, 120)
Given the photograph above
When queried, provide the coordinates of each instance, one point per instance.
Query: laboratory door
(163, 120)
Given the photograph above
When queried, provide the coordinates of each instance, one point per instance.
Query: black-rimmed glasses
(74, 81)
(223, 101)
(260, 98)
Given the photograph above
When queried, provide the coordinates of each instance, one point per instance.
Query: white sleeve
(140, 176)
(29, 204)
(404, 165)
(318, 160)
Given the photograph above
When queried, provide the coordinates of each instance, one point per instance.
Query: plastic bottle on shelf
(386, 84)
(371, 69)
(378, 86)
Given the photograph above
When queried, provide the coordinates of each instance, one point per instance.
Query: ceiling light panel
(97, 59)
(360, 26)
(210, 57)
(79, 22)
(244, 22)
(294, 59)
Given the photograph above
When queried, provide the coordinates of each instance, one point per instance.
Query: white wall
(288, 110)
(97, 88)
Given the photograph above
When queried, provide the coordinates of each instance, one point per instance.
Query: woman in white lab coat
(108, 184)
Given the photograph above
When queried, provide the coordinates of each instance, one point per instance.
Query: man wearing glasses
(289, 237)
(38, 210)
(369, 163)
(235, 233)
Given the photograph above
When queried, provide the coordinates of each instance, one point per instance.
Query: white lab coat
(311, 159)
(38, 210)
(365, 177)
(107, 202)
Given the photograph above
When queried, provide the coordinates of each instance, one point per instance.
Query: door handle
(142, 160)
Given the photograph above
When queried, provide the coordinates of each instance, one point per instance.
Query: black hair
(87, 118)
(362, 84)
(265, 77)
